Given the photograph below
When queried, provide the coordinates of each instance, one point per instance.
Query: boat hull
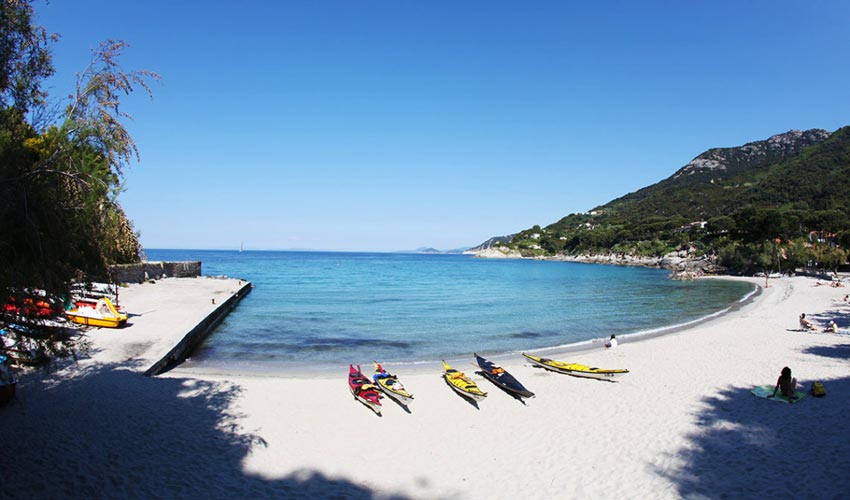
(587, 372)
(363, 390)
(471, 395)
(403, 399)
(372, 405)
(103, 315)
(461, 384)
(502, 380)
(101, 322)
(523, 392)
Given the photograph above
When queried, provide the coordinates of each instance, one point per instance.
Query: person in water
(786, 384)
(611, 343)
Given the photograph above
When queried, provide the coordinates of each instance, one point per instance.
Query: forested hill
(718, 181)
(727, 203)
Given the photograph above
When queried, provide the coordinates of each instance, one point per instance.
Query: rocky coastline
(682, 265)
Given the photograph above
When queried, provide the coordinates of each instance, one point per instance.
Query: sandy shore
(681, 424)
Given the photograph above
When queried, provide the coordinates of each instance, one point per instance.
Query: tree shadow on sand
(837, 351)
(108, 432)
(841, 318)
(756, 448)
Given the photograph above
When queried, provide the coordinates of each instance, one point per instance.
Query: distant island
(777, 204)
(431, 250)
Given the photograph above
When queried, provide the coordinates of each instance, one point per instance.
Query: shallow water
(332, 308)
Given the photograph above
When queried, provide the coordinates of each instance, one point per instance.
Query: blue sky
(385, 126)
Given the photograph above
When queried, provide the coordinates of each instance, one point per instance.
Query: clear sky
(391, 125)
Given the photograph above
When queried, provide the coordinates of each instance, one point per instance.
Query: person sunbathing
(786, 384)
(832, 328)
(804, 323)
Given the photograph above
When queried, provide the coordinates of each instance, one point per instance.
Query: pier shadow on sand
(753, 448)
(108, 432)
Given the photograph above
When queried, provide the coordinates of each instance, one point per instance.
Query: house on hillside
(692, 226)
(822, 237)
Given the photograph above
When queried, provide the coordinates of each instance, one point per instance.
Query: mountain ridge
(720, 207)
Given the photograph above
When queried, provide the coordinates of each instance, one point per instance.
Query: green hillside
(787, 197)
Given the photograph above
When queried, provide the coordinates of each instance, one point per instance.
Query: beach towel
(763, 391)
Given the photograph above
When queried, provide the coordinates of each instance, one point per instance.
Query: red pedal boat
(363, 389)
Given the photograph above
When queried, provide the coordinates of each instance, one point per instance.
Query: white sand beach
(682, 423)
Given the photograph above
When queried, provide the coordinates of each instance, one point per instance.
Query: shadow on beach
(753, 448)
(837, 351)
(841, 318)
(108, 432)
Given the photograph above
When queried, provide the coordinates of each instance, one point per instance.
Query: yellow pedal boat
(102, 314)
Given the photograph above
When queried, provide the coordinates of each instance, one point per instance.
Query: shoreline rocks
(499, 252)
(682, 265)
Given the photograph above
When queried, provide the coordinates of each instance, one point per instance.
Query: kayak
(461, 384)
(390, 385)
(363, 389)
(576, 369)
(501, 378)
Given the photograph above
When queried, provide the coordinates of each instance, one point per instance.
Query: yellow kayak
(391, 386)
(576, 369)
(461, 384)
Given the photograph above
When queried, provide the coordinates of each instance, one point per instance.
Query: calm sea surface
(332, 308)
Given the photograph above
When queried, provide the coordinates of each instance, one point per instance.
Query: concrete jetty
(168, 319)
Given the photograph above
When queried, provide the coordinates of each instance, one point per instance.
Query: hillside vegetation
(775, 204)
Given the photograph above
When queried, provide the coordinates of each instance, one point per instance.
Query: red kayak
(363, 389)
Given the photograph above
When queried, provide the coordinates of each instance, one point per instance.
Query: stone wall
(143, 271)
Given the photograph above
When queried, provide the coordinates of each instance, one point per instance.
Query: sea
(332, 308)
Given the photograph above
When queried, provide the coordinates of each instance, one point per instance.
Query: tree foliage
(24, 59)
(60, 174)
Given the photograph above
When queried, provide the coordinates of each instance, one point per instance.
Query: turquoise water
(333, 308)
